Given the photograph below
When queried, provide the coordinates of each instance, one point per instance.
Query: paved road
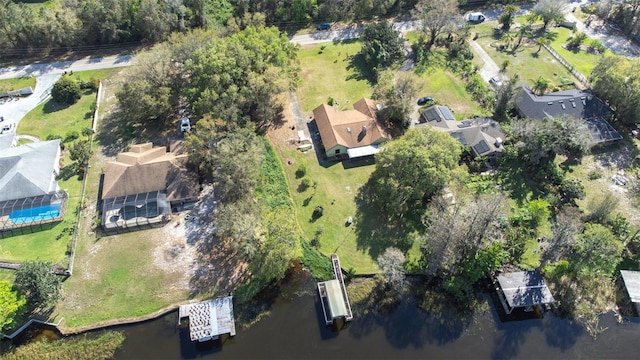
(61, 67)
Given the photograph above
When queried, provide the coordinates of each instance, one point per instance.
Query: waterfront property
(483, 135)
(631, 280)
(353, 133)
(209, 319)
(579, 104)
(29, 191)
(333, 295)
(523, 289)
(143, 185)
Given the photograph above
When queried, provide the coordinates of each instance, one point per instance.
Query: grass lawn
(331, 74)
(17, 83)
(583, 61)
(529, 64)
(335, 192)
(448, 89)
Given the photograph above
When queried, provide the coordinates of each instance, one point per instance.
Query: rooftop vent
(349, 130)
(364, 129)
(550, 103)
(498, 142)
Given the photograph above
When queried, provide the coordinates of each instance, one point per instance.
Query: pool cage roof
(18, 213)
(133, 211)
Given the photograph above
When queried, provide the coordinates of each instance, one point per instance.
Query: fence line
(74, 238)
(572, 70)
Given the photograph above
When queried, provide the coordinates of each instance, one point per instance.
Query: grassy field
(335, 192)
(583, 61)
(17, 83)
(528, 63)
(331, 73)
(449, 90)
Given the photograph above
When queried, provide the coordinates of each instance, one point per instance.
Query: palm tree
(524, 30)
(540, 85)
(541, 41)
(507, 37)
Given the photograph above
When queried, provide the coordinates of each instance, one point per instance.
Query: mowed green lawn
(448, 89)
(335, 192)
(17, 83)
(328, 74)
(528, 63)
(583, 61)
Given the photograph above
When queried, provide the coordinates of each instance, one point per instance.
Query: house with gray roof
(29, 192)
(579, 104)
(483, 135)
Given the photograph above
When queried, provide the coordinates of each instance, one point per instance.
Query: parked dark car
(424, 100)
(323, 26)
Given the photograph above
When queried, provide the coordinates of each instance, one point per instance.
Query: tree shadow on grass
(52, 106)
(113, 134)
(360, 70)
(514, 179)
(375, 232)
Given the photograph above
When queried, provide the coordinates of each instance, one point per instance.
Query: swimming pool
(38, 213)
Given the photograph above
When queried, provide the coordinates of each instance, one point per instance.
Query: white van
(476, 17)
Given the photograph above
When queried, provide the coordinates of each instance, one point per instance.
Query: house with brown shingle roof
(351, 133)
(143, 184)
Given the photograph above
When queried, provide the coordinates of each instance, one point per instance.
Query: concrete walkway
(490, 68)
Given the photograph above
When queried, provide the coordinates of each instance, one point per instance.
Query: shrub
(53, 137)
(71, 136)
(301, 171)
(66, 91)
(594, 175)
(318, 212)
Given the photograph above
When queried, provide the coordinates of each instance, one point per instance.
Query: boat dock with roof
(209, 319)
(333, 295)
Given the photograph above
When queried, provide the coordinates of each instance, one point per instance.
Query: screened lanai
(32, 211)
(123, 213)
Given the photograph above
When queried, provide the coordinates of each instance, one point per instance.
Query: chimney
(364, 129)
(498, 142)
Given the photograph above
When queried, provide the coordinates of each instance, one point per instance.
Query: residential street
(61, 67)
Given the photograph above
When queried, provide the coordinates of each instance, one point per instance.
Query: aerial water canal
(295, 329)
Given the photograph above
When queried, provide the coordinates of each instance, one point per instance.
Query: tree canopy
(540, 141)
(39, 283)
(411, 170)
(437, 17)
(550, 10)
(238, 77)
(66, 91)
(616, 79)
(382, 46)
(398, 95)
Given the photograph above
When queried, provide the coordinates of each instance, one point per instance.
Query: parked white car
(6, 128)
(185, 124)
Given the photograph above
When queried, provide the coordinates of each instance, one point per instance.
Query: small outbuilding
(631, 280)
(523, 289)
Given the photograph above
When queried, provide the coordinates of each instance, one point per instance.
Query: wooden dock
(337, 273)
(209, 319)
(333, 295)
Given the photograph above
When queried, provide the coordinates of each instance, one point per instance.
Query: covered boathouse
(333, 296)
(209, 319)
(631, 281)
(523, 289)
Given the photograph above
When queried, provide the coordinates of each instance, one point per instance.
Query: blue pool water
(38, 213)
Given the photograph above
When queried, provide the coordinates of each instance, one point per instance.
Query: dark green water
(294, 330)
